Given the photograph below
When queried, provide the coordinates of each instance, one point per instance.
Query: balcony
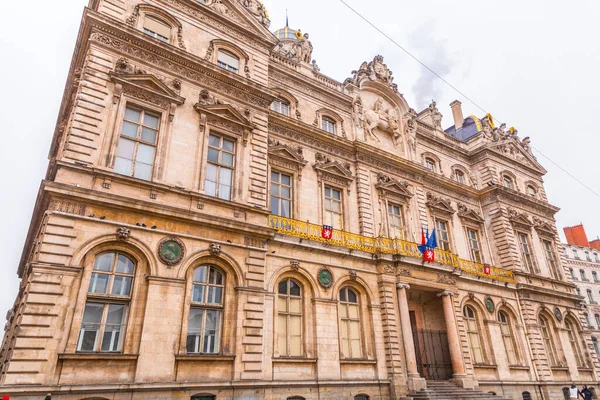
(381, 245)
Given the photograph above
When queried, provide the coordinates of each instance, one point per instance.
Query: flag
(429, 255)
(326, 232)
(423, 245)
(487, 269)
(432, 240)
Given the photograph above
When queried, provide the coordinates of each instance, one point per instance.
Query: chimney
(457, 114)
(576, 235)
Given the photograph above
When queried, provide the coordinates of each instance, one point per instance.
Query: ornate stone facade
(191, 258)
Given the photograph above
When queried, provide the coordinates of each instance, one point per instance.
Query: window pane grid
(281, 194)
(443, 236)
(350, 330)
(281, 107)
(526, 252)
(204, 322)
(228, 61)
(474, 246)
(333, 215)
(289, 319)
(473, 333)
(328, 125)
(396, 221)
(137, 144)
(219, 168)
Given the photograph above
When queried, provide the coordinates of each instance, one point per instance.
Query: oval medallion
(325, 277)
(171, 250)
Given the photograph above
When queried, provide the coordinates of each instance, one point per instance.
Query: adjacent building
(220, 219)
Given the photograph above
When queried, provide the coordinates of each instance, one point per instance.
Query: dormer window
(281, 107)
(508, 182)
(328, 125)
(459, 176)
(228, 61)
(157, 29)
(430, 164)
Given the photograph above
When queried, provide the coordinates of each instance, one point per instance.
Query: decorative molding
(469, 215)
(402, 285)
(389, 186)
(123, 233)
(214, 112)
(325, 277)
(295, 265)
(389, 269)
(445, 293)
(170, 251)
(375, 70)
(215, 249)
(259, 11)
(332, 170)
(543, 228)
(353, 275)
(519, 220)
(439, 205)
(447, 279)
(310, 141)
(286, 156)
(404, 271)
(69, 207)
(489, 304)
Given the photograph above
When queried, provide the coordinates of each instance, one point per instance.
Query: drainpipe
(535, 371)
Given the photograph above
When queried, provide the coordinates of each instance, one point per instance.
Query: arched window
(574, 341)
(531, 191)
(106, 309)
(203, 397)
(281, 106)
(508, 338)
(430, 164)
(361, 397)
(289, 318)
(157, 29)
(459, 176)
(566, 393)
(295, 398)
(582, 274)
(548, 339)
(204, 324)
(475, 343)
(508, 182)
(328, 125)
(227, 60)
(526, 396)
(350, 331)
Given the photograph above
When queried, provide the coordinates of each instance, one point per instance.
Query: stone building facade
(178, 248)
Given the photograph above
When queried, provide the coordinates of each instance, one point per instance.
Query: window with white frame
(574, 342)
(106, 309)
(508, 337)
(289, 318)
(550, 259)
(137, 143)
(206, 310)
(396, 221)
(328, 125)
(350, 331)
(333, 210)
(157, 29)
(475, 343)
(443, 234)
(459, 176)
(219, 167)
(526, 253)
(474, 245)
(281, 194)
(228, 61)
(430, 164)
(281, 106)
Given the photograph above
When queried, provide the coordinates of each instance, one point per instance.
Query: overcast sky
(533, 65)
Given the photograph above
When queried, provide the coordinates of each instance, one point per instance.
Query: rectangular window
(281, 194)
(281, 107)
(526, 254)
(575, 254)
(328, 125)
(157, 29)
(443, 234)
(582, 273)
(430, 164)
(137, 144)
(474, 245)
(596, 347)
(590, 297)
(203, 331)
(572, 274)
(228, 61)
(219, 167)
(333, 214)
(396, 221)
(598, 320)
(550, 259)
(587, 256)
(596, 258)
(102, 327)
(595, 276)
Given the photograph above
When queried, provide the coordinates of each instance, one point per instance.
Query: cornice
(486, 152)
(174, 61)
(511, 197)
(308, 86)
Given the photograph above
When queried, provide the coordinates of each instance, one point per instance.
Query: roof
(471, 127)
(287, 33)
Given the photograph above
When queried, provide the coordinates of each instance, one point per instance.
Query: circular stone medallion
(325, 277)
(171, 250)
(489, 304)
(558, 314)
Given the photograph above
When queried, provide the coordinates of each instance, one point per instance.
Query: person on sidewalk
(574, 393)
(48, 396)
(586, 393)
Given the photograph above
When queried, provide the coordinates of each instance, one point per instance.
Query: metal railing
(310, 231)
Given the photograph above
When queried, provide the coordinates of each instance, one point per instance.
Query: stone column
(415, 382)
(458, 366)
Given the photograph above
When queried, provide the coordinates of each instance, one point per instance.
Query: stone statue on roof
(304, 49)
(436, 115)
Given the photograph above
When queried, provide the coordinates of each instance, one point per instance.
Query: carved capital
(445, 293)
(402, 285)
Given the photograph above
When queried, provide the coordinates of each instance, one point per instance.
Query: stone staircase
(443, 390)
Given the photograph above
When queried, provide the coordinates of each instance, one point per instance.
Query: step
(444, 390)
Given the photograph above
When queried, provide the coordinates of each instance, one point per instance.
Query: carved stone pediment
(389, 186)
(376, 70)
(439, 205)
(512, 148)
(332, 170)
(543, 228)
(223, 116)
(146, 87)
(519, 220)
(286, 156)
(469, 215)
